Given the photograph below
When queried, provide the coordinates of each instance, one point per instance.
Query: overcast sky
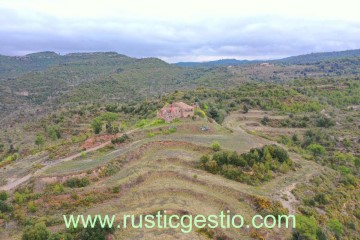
(181, 30)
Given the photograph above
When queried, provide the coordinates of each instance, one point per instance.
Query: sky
(180, 30)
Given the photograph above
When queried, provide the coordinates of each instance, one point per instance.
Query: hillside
(307, 59)
(320, 57)
(83, 137)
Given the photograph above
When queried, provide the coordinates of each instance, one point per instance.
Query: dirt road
(18, 181)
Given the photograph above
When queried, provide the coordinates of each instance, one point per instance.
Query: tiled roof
(182, 105)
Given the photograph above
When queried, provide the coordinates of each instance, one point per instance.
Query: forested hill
(222, 62)
(311, 58)
(319, 57)
(51, 79)
(15, 66)
(47, 78)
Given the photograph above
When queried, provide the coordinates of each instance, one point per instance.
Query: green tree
(336, 227)
(95, 233)
(4, 207)
(39, 140)
(53, 133)
(306, 228)
(96, 125)
(37, 232)
(316, 149)
(109, 116)
(3, 196)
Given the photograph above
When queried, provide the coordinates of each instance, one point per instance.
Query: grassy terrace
(159, 171)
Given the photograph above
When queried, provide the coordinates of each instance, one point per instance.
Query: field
(160, 173)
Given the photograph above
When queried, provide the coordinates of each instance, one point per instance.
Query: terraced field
(160, 172)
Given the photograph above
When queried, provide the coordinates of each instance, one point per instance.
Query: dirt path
(17, 181)
(284, 194)
(291, 200)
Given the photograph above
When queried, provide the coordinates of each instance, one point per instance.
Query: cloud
(178, 32)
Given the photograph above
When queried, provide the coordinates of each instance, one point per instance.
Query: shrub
(325, 122)
(316, 149)
(121, 139)
(215, 146)
(58, 188)
(96, 125)
(53, 132)
(336, 227)
(77, 182)
(39, 140)
(31, 206)
(306, 228)
(116, 189)
(3, 196)
(95, 233)
(4, 207)
(200, 113)
(37, 232)
(265, 120)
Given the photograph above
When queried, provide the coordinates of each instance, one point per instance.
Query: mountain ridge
(298, 59)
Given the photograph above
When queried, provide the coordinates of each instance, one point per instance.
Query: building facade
(175, 110)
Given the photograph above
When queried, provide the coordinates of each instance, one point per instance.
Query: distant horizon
(215, 59)
(180, 31)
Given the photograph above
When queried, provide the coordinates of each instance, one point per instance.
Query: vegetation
(77, 182)
(259, 165)
(61, 105)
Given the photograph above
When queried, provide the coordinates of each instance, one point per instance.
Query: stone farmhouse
(175, 110)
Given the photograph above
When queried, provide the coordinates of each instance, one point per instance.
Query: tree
(325, 122)
(316, 149)
(3, 196)
(109, 117)
(39, 140)
(95, 233)
(37, 232)
(4, 207)
(281, 154)
(245, 109)
(336, 227)
(96, 125)
(213, 112)
(306, 228)
(53, 132)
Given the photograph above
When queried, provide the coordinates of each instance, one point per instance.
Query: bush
(95, 233)
(336, 227)
(215, 146)
(53, 132)
(316, 149)
(37, 232)
(265, 120)
(58, 188)
(116, 189)
(77, 182)
(306, 228)
(260, 161)
(96, 125)
(121, 139)
(200, 113)
(39, 140)
(325, 122)
(3, 196)
(4, 207)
